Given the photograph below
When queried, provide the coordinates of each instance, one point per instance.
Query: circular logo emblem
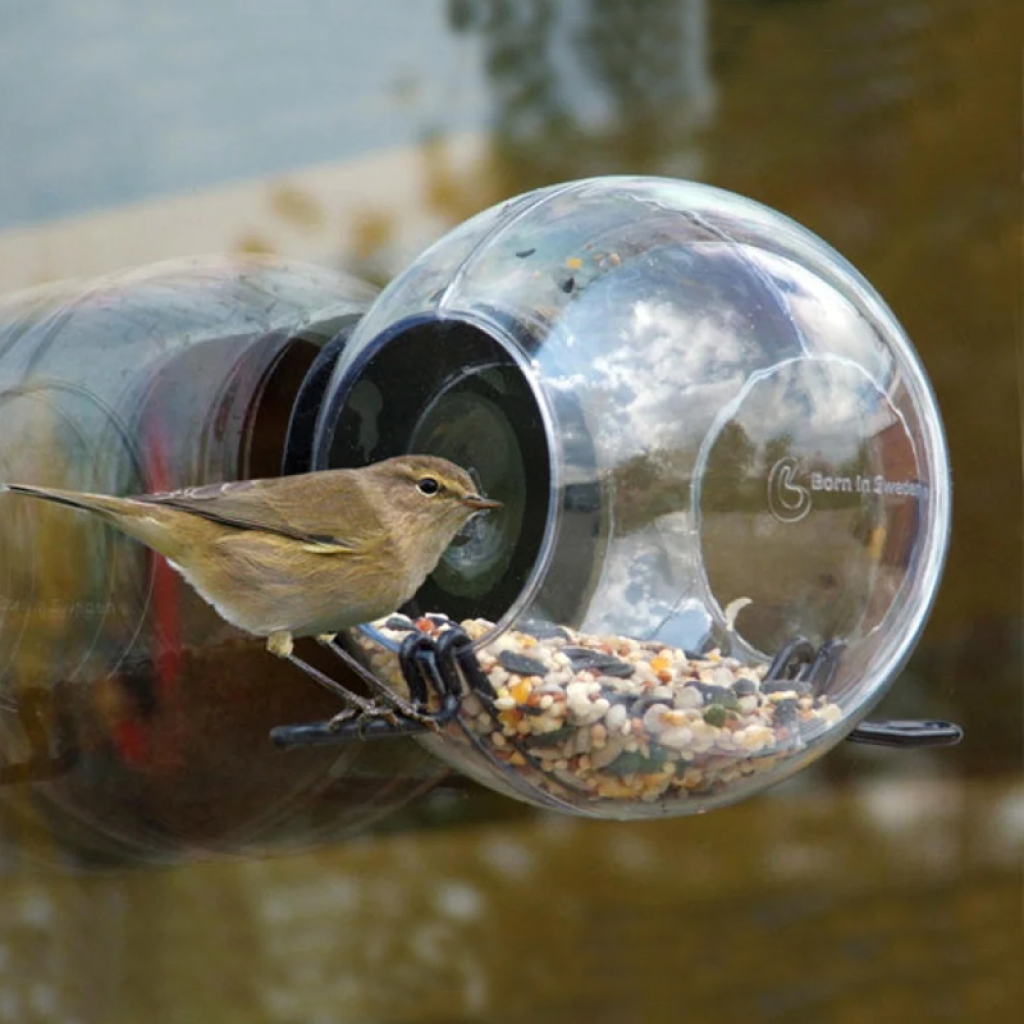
(788, 501)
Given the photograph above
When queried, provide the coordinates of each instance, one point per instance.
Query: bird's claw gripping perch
(363, 715)
(429, 667)
(387, 700)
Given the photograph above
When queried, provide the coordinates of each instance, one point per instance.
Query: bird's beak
(478, 503)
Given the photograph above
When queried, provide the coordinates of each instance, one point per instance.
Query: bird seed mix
(612, 718)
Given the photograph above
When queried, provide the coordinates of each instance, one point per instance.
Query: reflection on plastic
(133, 720)
(710, 436)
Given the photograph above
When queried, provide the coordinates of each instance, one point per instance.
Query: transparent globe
(711, 438)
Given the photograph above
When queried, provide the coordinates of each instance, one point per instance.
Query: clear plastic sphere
(711, 437)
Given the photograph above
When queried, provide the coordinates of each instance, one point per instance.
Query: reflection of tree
(649, 485)
(531, 111)
(648, 57)
(862, 463)
(775, 449)
(728, 478)
(588, 87)
(531, 124)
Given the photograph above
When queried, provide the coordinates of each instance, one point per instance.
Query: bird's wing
(285, 506)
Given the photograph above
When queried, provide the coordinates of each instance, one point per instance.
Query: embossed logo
(788, 501)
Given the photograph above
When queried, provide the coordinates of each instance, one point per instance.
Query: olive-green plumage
(300, 555)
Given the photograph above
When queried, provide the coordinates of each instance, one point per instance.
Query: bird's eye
(428, 485)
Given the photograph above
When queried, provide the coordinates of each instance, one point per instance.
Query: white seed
(644, 673)
(629, 686)
(688, 697)
(616, 717)
(678, 737)
(654, 718)
(722, 676)
(577, 692)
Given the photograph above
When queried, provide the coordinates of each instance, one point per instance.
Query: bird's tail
(141, 520)
(99, 503)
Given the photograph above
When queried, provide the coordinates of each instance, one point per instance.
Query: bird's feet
(402, 715)
(281, 643)
(361, 716)
(387, 699)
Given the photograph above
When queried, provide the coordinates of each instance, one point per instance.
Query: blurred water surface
(877, 885)
(110, 102)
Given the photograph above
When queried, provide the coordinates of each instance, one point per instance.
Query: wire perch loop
(439, 672)
(432, 676)
(800, 662)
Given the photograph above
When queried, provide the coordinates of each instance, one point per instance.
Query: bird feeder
(725, 486)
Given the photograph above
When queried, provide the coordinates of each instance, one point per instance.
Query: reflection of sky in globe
(828, 322)
(661, 355)
(108, 101)
(653, 373)
(642, 587)
(826, 406)
(648, 389)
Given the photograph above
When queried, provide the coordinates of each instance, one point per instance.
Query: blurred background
(877, 885)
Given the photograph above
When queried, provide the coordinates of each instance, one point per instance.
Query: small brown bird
(301, 555)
